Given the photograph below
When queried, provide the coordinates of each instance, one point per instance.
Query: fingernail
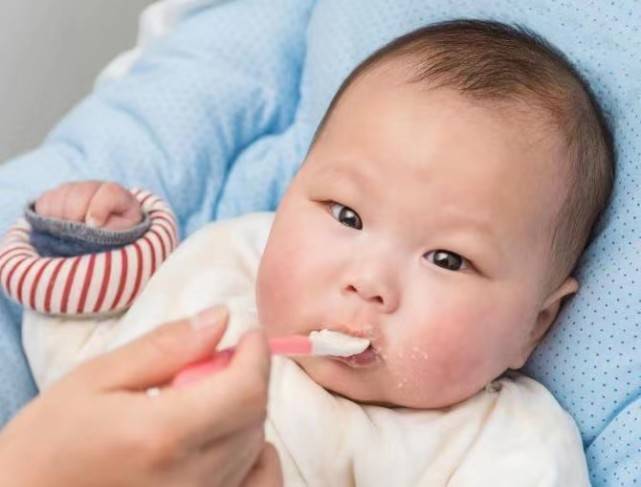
(209, 317)
(91, 222)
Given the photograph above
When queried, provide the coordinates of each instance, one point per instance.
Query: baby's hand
(95, 203)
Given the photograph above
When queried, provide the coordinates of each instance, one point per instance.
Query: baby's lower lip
(366, 358)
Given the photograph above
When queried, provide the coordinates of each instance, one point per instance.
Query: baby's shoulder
(519, 398)
(526, 435)
(527, 411)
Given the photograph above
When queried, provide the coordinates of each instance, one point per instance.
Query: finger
(130, 217)
(252, 356)
(43, 204)
(111, 198)
(50, 204)
(76, 199)
(124, 222)
(156, 357)
(267, 471)
(238, 394)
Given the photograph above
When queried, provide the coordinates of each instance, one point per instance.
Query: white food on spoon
(328, 342)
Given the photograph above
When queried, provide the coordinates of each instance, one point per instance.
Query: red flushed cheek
(434, 358)
(285, 292)
(409, 368)
(271, 298)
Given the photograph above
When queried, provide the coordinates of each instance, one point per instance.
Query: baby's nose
(378, 294)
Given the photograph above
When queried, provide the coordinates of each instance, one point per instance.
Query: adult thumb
(154, 358)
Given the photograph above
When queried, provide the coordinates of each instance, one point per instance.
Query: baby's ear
(545, 318)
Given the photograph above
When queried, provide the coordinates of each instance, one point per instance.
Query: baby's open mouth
(363, 353)
(367, 357)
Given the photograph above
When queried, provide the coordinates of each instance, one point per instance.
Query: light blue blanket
(217, 117)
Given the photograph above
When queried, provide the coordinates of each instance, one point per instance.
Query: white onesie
(514, 434)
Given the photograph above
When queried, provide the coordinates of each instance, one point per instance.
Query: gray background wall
(50, 53)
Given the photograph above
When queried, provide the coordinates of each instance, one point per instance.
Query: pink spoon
(323, 343)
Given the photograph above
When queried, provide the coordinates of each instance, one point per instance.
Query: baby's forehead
(398, 74)
(475, 175)
(421, 130)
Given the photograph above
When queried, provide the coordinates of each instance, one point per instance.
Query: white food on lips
(328, 342)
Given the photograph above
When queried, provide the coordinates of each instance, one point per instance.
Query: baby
(446, 197)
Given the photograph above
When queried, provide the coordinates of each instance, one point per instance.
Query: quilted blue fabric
(217, 118)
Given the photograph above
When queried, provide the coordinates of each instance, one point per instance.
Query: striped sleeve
(97, 283)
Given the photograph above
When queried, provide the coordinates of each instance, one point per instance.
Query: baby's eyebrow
(347, 181)
(458, 220)
(479, 225)
(338, 174)
(470, 224)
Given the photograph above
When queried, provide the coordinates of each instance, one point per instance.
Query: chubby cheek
(409, 366)
(277, 287)
(290, 279)
(449, 356)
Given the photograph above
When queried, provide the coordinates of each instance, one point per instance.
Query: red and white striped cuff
(104, 282)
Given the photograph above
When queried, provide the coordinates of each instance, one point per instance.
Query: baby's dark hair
(499, 63)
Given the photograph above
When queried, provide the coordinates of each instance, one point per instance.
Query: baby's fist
(98, 204)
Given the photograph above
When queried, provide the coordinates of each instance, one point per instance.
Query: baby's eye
(447, 260)
(345, 215)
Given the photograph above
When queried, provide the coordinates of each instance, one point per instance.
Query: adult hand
(97, 426)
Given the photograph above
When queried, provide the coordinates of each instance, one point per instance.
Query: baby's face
(421, 221)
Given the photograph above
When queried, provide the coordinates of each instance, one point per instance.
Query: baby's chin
(338, 378)
(363, 386)
(375, 387)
